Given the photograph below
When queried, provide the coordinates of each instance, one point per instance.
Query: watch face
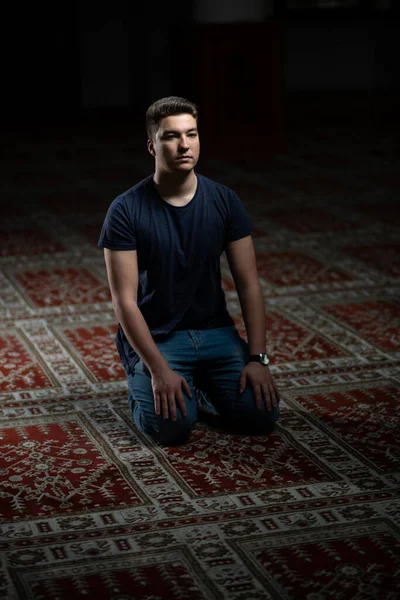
(261, 358)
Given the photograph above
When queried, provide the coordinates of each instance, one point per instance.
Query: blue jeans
(211, 361)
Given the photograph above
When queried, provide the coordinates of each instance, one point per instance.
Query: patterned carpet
(89, 507)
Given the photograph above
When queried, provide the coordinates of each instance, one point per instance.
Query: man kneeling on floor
(163, 239)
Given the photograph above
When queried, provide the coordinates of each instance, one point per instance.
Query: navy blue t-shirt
(178, 252)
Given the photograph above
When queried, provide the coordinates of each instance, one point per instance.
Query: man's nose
(183, 142)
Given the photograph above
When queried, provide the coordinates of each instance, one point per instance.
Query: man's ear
(150, 147)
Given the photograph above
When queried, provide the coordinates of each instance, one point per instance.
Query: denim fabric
(211, 361)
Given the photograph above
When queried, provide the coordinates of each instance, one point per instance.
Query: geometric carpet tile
(363, 419)
(292, 341)
(288, 341)
(63, 463)
(157, 575)
(93, 347)
(360, 561)
(376, 321)
(214, 462)
(55, 466)
(385, 258)
(37, 360)
(61, 287)
(19, 368)
(235, 560)
(295, 268)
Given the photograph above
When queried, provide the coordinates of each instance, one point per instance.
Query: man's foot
(207, 413)
(204, 403)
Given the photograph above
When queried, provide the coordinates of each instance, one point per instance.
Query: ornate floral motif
(52, 468)
(96, 347)
(19, 370)
(62, 287)
(385, 258)
(377, 321)
(213, 463)
(351, 564)
(365, 419)
(296, 268)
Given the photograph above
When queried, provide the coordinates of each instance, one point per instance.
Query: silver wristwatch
(261, 358)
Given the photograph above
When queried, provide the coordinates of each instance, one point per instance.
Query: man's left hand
(263, 384)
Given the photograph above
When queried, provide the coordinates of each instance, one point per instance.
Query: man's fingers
(267, 396)
(186, 387)
(164, 405)
(277, 395)
(182, 404)
(172, 406)
(274, 396)
(257, 395)
(157, 403)
(271, 397)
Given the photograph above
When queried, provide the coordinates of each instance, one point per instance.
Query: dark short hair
(167, 107)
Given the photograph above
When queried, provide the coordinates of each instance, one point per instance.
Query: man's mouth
(184, 158)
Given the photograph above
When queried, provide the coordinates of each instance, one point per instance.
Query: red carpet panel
(92, 509)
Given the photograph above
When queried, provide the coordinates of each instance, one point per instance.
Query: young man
(162, 242)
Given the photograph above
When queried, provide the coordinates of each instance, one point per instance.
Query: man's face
(176, 146)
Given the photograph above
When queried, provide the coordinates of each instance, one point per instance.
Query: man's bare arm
(122, 272)
(242, 263)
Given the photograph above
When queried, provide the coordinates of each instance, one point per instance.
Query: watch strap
(260, 358)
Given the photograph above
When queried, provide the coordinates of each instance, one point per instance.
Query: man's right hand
(167, 390)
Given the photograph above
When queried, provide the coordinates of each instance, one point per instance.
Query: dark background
(79, 63)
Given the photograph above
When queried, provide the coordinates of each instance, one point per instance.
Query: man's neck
(176, 186)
